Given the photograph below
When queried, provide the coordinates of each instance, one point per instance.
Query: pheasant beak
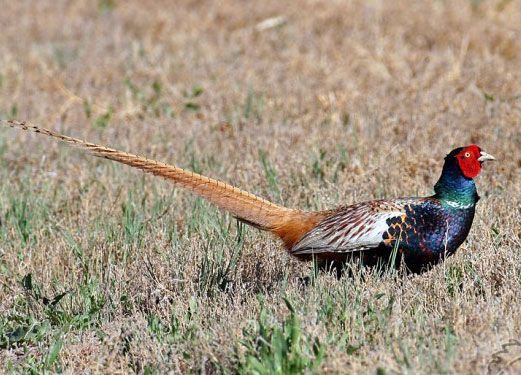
(485, 157)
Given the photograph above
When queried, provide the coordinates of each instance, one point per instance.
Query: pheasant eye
(467, 154)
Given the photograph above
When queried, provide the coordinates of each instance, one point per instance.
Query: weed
(253, 106)
(133, 222)
(217, 269)
(150, 99)
(191, 97)
(105, 6)
(317, 167)
(101, 121)
(271, 175)
(279, 350)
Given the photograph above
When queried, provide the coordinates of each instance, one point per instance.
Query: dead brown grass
(383, 90)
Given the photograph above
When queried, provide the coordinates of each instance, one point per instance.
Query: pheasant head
(456, 186)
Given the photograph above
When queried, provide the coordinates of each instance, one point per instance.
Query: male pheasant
(418, 232)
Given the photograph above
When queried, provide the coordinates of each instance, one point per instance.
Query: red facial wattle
(468, 161)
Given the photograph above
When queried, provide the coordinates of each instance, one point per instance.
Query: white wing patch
(354, 228)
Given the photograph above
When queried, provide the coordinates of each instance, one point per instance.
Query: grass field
(311, 104)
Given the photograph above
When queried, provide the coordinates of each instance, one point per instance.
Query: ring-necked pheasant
(419, 231)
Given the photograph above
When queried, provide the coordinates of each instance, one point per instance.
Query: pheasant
(417, 232)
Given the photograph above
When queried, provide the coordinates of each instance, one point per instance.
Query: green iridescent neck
(453, 189)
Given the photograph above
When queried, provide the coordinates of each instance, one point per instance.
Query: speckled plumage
(421, 230)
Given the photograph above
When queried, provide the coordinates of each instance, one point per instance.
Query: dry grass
(341, 101)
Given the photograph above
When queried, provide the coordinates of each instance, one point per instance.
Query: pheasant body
(418, 232)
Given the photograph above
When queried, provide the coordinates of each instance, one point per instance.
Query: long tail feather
(288, 224)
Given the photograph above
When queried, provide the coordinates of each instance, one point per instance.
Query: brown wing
(353, 228)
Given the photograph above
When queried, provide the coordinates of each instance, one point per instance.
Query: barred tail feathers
(290, 225)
